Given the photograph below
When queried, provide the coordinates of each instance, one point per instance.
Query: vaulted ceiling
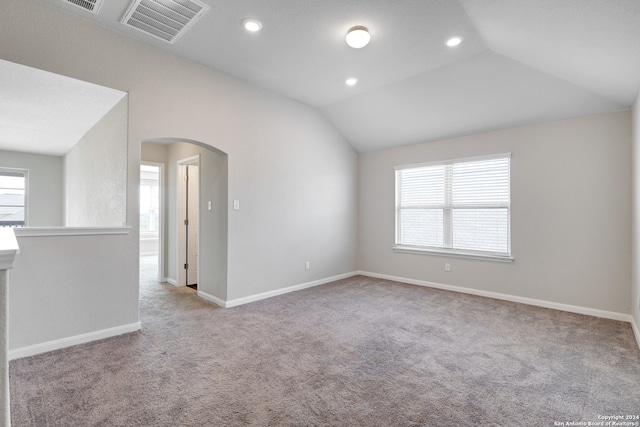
(521, 61)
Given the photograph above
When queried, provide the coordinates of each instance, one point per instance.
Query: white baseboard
(171, 281)
(209, 297)
(119, 330)
(251, 298)
(32, 350)
(636, 331)
(506, 297)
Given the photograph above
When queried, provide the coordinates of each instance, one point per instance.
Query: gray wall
(95, 173)
(45, 204)
(635, 296)
(570, 218)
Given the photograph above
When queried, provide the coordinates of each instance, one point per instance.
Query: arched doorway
(212, 221)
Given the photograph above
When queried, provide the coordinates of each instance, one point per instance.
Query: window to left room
(13, 197)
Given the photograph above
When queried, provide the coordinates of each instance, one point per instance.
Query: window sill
(451, 253)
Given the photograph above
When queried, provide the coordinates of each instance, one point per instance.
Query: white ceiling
(521, 62)
(45, 113)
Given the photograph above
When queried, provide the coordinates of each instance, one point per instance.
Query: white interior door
(188, 220)
(193, 221)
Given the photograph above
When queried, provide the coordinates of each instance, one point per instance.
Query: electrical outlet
(447, 267)
(307, 265)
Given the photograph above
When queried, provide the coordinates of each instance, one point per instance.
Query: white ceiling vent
(164, 19)
(92, 6)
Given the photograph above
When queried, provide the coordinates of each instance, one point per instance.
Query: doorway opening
(207, 235)
(151, 218)
(189, 220)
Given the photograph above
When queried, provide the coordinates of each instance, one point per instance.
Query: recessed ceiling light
(351, 81)
(454, 41)
(252, 25)
(358, 37)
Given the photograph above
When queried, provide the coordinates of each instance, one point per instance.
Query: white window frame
(448, 207)
(26, 190)
(160, 166)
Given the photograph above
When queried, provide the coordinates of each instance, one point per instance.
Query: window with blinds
(13, 197)
(458, 206)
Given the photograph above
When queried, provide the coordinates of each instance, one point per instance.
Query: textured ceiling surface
(47, 113)
(521, 61)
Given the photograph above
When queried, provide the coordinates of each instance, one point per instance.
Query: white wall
(294, 174)
(45, 204)
(570, 217)
(95, 173)
(635, 295)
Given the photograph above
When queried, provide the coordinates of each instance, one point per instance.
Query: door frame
(180, 231)
(161, 214)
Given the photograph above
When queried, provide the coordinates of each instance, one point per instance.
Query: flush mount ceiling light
(454, 41)
(252, 25)
(358, 37)
(351, 81)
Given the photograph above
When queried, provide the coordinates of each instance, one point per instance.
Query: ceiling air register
(92, 6)
(164, 19)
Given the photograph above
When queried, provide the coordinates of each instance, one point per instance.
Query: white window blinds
(455, 206)
(13, 197)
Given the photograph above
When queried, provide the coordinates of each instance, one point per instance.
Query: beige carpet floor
(357, 352)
